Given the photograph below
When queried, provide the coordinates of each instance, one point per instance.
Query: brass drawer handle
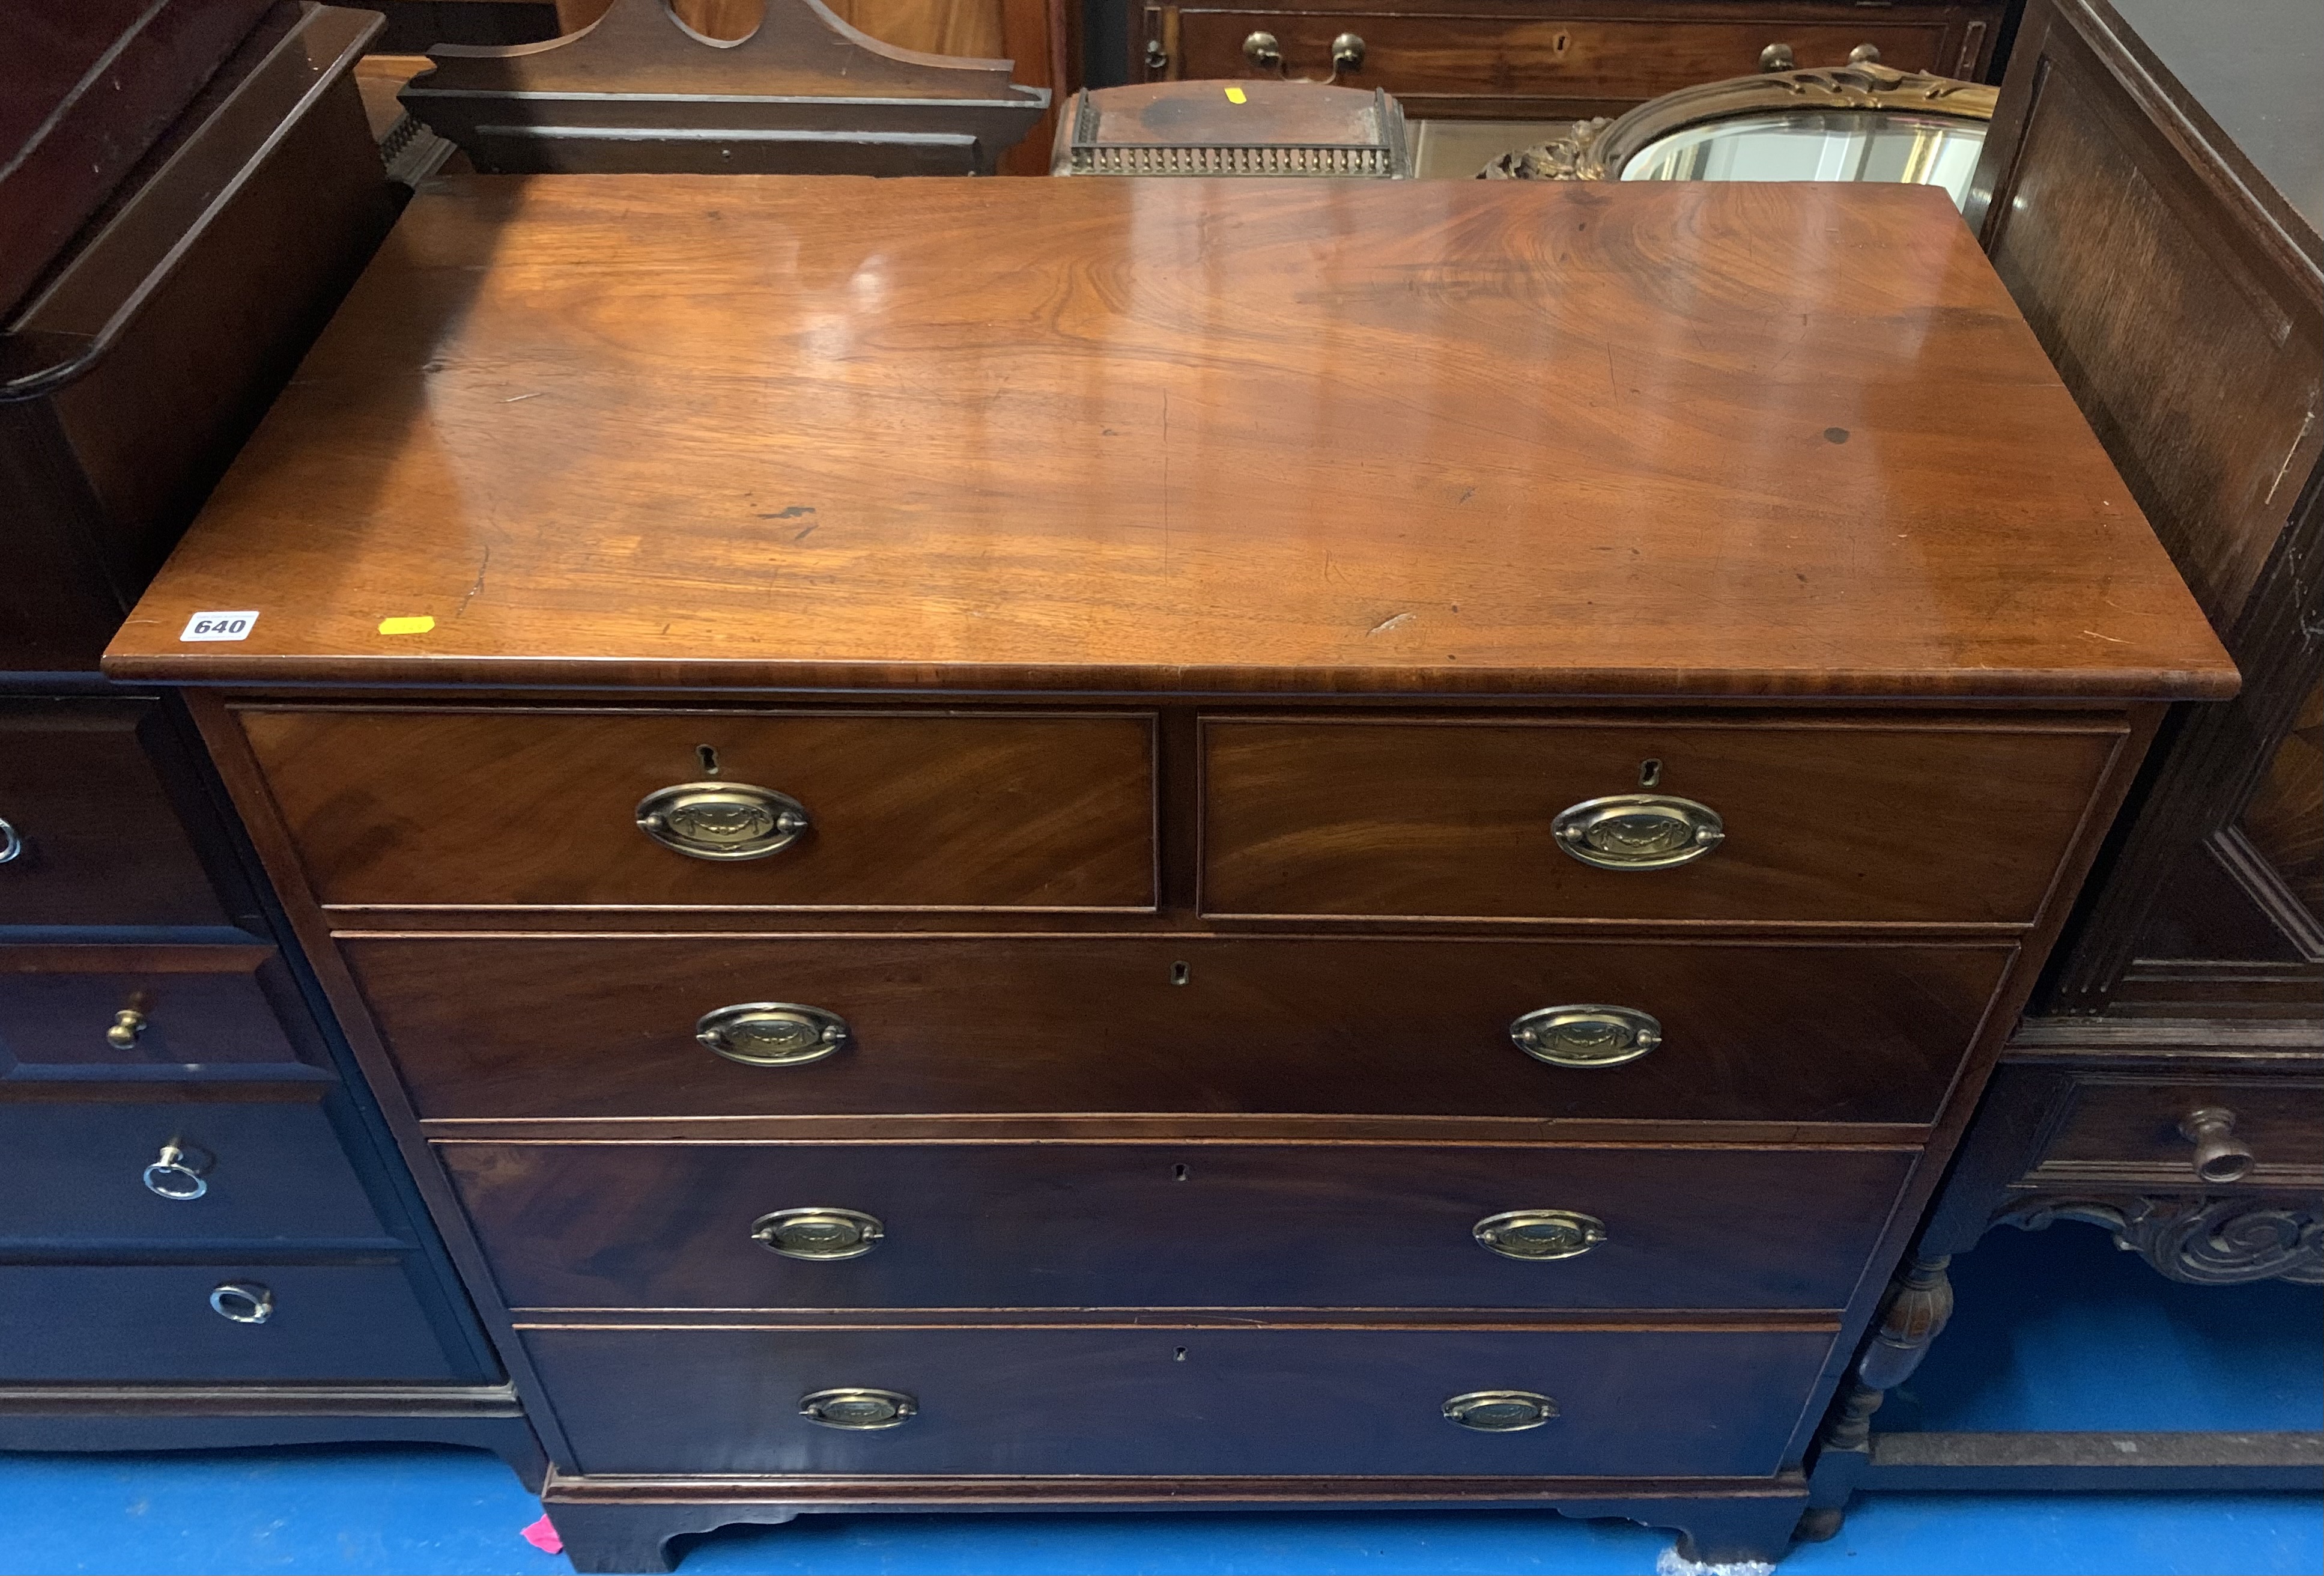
(2218, 1158)
(773, 1034)
(11, 845)
(1777, 57)
(723, 821)
(1540, 1234)
(177, 1173)
(1264, 50)
(1586, 1035)
(128, 1024)
(859, 1409)
(1637, 831)
(1500, 1411)
(243, 1302)
(818, 1233)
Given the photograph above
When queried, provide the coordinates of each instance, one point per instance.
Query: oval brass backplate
(818, 1233)
(723, 821)
(773, 1034)
(1637, 831)
(858, 1409)
(1586, 1034)
(1540, 1234)
(1500, 1411)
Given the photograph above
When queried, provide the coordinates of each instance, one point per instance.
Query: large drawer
(528, 809)
(1822, 820)
(1195, 1401)
(89, 1171)
(488, 1027)
(132, 1012)
(96, 838)
(1097, 1224)
(154, 1323)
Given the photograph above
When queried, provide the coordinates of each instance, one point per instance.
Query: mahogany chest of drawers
(1105, 843)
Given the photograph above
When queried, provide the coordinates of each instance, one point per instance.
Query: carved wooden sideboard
(1175, 843)
(2152, 193)
(207, 1238)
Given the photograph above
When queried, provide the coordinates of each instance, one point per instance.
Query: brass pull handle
(2218, 1158)
(243, 1302)
(1540, 1234)
(128, 1024)
(11, 845)
(858, 1408)
(818, 1233)
(1264, 50)
(1157, 57)
(1776, 57)
(1637, 831)
(1586, 1035)
(1500, 1411)
(723, 821)
(177, 1173)
(773, 1034)
(1864, 54)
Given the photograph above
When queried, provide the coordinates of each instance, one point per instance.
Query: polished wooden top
(1347, 436)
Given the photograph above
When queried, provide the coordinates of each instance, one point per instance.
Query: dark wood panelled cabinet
(1199, 934)
(207, 1238)
(2152, 193)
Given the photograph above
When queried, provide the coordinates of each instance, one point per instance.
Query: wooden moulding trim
(1202, 1128)
(2063, 686)
(1630, 1321)
(263, 1400)
(971, 1493)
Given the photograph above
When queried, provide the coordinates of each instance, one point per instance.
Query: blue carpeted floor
(2054, 1331)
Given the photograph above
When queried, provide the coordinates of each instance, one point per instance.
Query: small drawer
(163, 1324)
(531, 809)
(1193, 1401)
(181, 1169)
(1093, 1225)
(2196, 1132)
(88, 835)
(1461, 819)
(1482, 60)
(1739, 1031)
(132, 1012)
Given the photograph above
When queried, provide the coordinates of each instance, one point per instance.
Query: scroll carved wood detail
(2205, 1241)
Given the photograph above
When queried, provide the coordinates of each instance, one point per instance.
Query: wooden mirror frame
(1596, 150)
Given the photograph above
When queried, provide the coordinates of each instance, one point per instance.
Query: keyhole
(1558, 44)
(1179, 1354)
(1180, 973)
(709, 759)
(1177, 1173)
(1650, 773)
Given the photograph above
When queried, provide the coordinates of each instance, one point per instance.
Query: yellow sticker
(420, 625)
(1234, 96)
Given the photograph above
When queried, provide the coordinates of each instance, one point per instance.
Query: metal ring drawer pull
(773, 1034)
(723, 821)
(1637, 831)
(244, 1302)
(2218, 1158)
(177, 1173)
(1500, 1411)
(858, 1409)
(11, 845)
(818, 1233)
(1586, 1034)
(1540, 1234)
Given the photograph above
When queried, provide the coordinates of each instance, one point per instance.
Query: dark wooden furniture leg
(629, 1538)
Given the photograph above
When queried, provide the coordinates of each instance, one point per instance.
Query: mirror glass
(1932, 150)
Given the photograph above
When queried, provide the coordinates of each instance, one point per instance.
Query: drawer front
(2240, 1130)
(1453, 820)
(606, 1027)
(96, 840)
(89, 1171)
(1103, 1225)
(1487, 58)
(131, 1012)
(154, 1324)
(1197, 1401)
(528, 809)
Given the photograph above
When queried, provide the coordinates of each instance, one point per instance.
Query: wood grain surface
(1364, 436)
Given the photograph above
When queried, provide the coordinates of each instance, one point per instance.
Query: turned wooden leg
(633, 1539)
(1919, 1301)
